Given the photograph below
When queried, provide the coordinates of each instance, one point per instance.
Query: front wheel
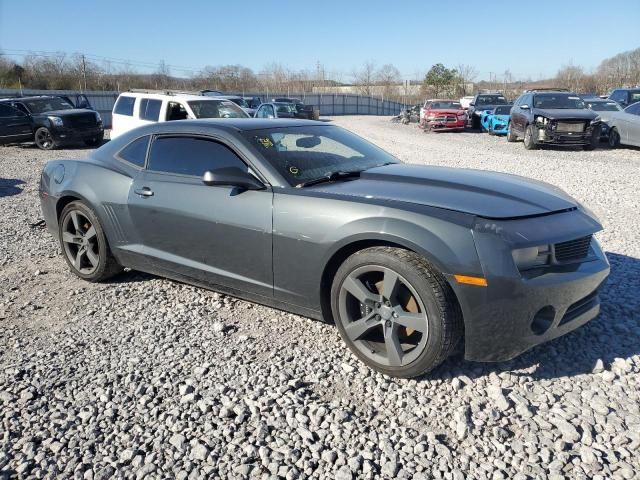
(84, 244)
(44, 140)
(511, 136)
(529, 141)
(614, 138)
(395, 311)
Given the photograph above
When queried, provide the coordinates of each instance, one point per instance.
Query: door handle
(144, 192)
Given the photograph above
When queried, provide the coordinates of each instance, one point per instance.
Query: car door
(217, 234)
(516, 114)
(15, 126)
(630, 133)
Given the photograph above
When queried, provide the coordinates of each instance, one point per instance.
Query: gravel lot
(146, 378)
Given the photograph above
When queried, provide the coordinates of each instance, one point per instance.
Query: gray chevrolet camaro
(307, 217)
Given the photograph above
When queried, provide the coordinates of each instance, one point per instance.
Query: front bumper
(547, 136)
(499, 128)
(517, 311)
(441, 125)
(64, 136)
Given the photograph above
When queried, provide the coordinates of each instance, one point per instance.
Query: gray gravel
(142, 377)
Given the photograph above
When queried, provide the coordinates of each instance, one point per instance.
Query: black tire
(475, 122)
(418, 292)
(511, 136)
(614, 138)
(84, 244)
(529, 142)
(94, 141)
(44, 140)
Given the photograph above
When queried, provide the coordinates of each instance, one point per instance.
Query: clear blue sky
(531, 38)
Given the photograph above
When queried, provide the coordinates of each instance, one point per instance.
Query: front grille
(576, 127)
(81, 120)
(573, 249)
(445, 118)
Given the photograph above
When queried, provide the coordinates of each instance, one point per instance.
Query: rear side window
(136, 151)
(190, 156)
(8, 111)
(150, 109)
(124, 105)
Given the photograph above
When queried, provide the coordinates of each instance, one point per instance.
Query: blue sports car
(496, 122)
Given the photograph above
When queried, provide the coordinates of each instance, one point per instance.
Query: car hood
(566, 113)
(448, 111)
(67, 112)
(476, 192)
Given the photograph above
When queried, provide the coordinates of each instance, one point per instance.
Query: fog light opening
(543, 319)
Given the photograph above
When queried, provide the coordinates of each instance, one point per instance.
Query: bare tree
(466, 75)
(364, 78)
(388, 77)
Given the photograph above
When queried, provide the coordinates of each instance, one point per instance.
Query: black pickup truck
(49, 121)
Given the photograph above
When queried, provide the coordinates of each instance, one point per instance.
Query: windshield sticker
(295, 171)
(265, 142)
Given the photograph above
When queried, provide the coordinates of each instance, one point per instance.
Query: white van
(133, 109)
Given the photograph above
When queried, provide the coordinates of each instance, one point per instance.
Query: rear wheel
(44, 140)
(395, 311)
(84, 244)
(614, 138)
(529, 141)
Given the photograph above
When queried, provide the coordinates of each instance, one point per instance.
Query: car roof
(175, 96)
(32, 97)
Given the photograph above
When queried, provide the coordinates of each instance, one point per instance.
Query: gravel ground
(142, 377)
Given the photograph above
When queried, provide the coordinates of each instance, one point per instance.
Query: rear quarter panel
(101, 186)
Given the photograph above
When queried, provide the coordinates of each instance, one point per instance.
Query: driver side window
(191, 156)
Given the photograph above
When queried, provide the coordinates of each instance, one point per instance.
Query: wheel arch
(345, 250)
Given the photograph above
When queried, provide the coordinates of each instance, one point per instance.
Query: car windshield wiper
(330, 177)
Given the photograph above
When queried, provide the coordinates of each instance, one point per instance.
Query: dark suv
(553, 117)
(482, 102)
(49, 121)
(625, 96)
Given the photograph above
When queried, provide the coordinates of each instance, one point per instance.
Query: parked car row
(559, 117)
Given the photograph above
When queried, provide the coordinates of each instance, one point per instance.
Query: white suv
(133, 109)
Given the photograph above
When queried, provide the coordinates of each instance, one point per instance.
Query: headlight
(56, 121)
(98, 117)
(542, 120)
(531, 257)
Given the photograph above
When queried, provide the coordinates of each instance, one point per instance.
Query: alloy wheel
(44, 139)
(80, 242)
(383, 316)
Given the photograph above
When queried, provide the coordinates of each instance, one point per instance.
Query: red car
(443, 115)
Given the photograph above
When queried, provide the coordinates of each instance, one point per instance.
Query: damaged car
(442, 116)
(408, 261)
(553, 117)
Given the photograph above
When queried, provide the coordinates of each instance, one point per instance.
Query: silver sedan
(625, 127)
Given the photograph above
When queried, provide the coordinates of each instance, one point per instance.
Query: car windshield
(558, 100)
(42, 105)
(284, 107)
(306, 153)
(506, 110)
(446, 104)
(241, 102)
(604, 107)
(216, 109)
(491, 100)
(634, 96)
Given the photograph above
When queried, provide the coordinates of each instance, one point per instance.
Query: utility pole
(84, 73)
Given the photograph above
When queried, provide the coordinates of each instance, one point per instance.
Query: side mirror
(231, 177)
(524, 107)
